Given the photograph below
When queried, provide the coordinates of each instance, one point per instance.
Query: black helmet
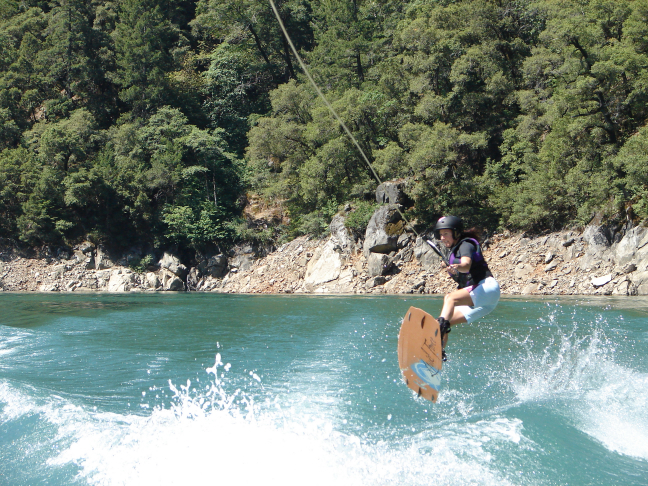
(449, 222)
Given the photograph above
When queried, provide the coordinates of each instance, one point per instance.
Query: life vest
(478, 269)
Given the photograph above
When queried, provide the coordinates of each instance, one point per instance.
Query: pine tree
(142, 37)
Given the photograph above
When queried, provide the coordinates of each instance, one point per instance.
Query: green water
(220, 389)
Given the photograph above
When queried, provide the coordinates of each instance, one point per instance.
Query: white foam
(616, 414)
(10, 342)
(601, 398)
(167, 449)
(216, 436)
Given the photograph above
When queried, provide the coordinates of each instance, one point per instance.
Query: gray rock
(173, 265)
(86, 247)
(622, 288)
(420, 284)
(384, 228)
(102, 260)
(215, 266)
(597, 239)
(426, 255)
(640, 283)
(242, 262)
(375, 281)
(340, 233)
(391, 192)
(403, 240)
(632, 246)
(121, 280)
(403, 256)
(522, 271)
(530, 288)
(324, 266)
(175, 285)
(58, 270)
(152, 281)
(601, 281)
(378, 264)
(628, 268)
(193, 278)
(568, 243)
(50, 287)
(552, 266)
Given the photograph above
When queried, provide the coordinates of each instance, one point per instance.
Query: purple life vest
(478, 269)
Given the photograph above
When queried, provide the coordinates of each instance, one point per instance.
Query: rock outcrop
(390, 259)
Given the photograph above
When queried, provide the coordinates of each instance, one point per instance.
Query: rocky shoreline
(596, 261)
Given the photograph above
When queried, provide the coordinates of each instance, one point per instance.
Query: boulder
(58, 271)
(622, 288)
(171, 281)
(215, 266)
(551, 266)
(86, 259)
(324, 266)
(378, 264)
(522, 271)
(173, 265)
(601, 281)
(242, 257)
(193, 278)
(628, 268)
(102, 261)
(426, 256)
(404, 240)
(384, 228)
(391, 192)
(340, 233)
(121, 280)
(598, 247)
(86, 247)
(175, 285)
(242, 262)
(530, 288)
(640, 283)
(632, 247)
(375, 281)
(152, 281)
(596, 237)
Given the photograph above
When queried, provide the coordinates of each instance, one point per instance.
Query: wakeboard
(420, 353)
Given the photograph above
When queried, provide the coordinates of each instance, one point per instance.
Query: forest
(151, 122)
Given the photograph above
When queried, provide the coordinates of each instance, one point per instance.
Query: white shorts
(485, 297)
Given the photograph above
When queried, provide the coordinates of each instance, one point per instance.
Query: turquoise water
(218, 389)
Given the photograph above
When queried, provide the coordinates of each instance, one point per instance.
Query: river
(191, 388)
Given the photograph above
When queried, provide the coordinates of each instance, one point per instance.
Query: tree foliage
(146, 121)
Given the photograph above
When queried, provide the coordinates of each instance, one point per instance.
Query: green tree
(68, 143)
(64, 60)
(584, 95)
(155, 166)
(42, 219)
(12, 190)
(631, 161)
(142, 38)
(351, 36)
(21, 88)
(235, 87)
(253, 23)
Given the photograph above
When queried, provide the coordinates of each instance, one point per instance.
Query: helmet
(449, 222)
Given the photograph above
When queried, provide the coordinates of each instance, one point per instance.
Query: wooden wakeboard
(420, 353)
